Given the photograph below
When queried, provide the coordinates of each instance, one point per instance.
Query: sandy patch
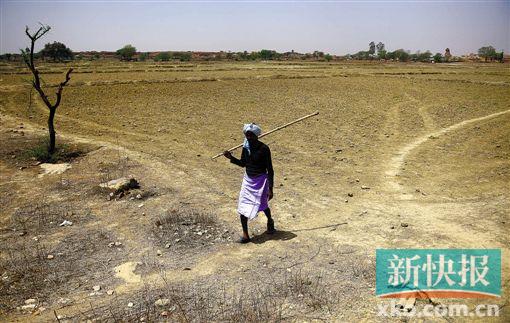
(54, 169)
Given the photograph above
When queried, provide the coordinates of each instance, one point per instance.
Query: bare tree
(28, 57)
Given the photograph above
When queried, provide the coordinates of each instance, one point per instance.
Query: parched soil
(400, 156)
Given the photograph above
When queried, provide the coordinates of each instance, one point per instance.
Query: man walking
(257, 186)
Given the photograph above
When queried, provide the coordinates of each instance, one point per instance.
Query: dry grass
(28, 272)
(185, 227)
(24, 149)
(39, 218)
(267, 300)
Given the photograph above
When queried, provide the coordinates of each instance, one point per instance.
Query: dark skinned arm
(239, 162)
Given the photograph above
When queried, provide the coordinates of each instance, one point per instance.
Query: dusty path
(397, 161)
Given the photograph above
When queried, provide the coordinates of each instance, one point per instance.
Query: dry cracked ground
(400, 156)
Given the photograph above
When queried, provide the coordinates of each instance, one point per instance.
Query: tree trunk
(51, 129)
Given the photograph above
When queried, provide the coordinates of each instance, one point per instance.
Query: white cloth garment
(253, 128)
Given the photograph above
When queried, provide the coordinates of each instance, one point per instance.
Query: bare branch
(61, 87)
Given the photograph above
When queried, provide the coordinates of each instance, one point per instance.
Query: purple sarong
(253, 196)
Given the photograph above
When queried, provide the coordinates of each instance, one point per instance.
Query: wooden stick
(274, 130)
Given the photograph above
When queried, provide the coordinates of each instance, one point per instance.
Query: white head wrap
(255, 129)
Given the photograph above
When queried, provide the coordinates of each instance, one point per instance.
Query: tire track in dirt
(396, 162)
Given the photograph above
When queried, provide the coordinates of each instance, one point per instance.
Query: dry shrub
(27, 272)
(41, 217)
(188, 227)
(309, 289)
(290, 296)
(186, 216)
(362, 269)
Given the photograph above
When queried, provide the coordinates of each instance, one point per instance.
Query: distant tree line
(379, 52)
(58, 52)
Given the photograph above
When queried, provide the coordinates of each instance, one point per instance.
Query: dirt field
(429, 144)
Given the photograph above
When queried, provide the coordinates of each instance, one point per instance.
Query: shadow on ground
(278, 235)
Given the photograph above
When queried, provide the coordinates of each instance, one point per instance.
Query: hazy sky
(336, 27)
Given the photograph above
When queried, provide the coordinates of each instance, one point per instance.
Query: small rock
(118, 244)
(404, 225)
(96, 288)
(130, 304)
(331, 262)
(186, 268)
(110, 292)
(162, 302)
(350, 194)
(50, 257)
(392, 227)
(121, 184)
(66, 223)
(364, 187)
(164, 313)
(167, 245)
(177, 240)
(141, 205)
(159, 253)
(30, 301)
(139, 196)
